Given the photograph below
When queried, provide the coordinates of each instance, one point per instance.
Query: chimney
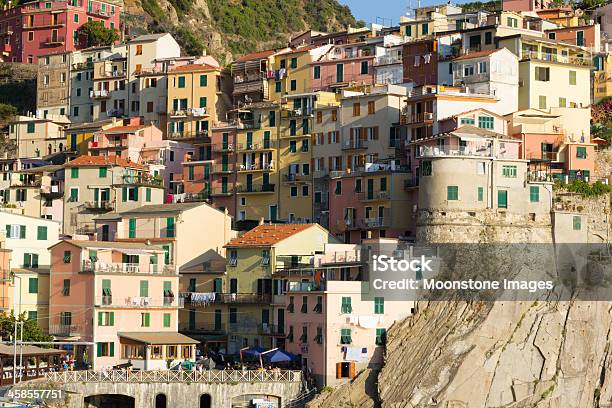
(261, 221)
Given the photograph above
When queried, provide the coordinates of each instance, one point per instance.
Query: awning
(131, 252)
(158, 337)
(466, 137)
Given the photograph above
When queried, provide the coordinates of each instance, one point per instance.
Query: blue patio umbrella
(252, 352)
(278, 356)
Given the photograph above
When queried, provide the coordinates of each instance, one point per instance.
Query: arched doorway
(110, 401)
(205, 401)
(160, 401)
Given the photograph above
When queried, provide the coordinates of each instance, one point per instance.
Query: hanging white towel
(427, 58)
(353, 354)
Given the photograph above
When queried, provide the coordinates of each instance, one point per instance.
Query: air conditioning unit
(429, 116)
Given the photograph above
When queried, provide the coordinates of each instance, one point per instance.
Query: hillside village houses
(159, 207)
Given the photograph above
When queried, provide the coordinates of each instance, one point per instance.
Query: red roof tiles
(103, 161)
(194, 67)
(476, 54)
(267, 235)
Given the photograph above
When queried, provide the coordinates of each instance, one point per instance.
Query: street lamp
(15, 316)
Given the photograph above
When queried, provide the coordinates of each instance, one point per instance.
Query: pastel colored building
(250, 74)
(53, 85)
(38, 136)
(223, 172)
(5, 288)
(126, 141)
(123, 298)
(28, 239)
(587, 36)
(525, 5)
(329, 324)
(253, 286)
(36, 28)
(95, 185)
(344, 65)
(78, 135)
(173, 227)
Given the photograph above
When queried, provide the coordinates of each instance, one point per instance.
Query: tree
(31, 330)
(97, 34)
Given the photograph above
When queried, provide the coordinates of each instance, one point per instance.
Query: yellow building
(78, 135)
(254, 264)
(602, 81)
(32, 291)
(194, 100)
(551, 74)
(257, 162)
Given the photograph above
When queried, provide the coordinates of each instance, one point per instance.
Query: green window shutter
(41, 233)
(203, 80)
(502, 199)
(480, 193)
(136, 193)
(167, 288)
(132, 228)
(148, 195)
(111, 349)
(203, 101)
(22, 231)
(31, 127)
(144, 288)
(167, 319)
(408, 30)
(534, 194)
(74, 172)
(190, 173)
(170, 227)
(35, 264)
(581, 152)
(32, 315)
(572, 77)
(166, 249)
(33, 285)
(106, 287)
(381, 335)
(577, 223)
(379, 305)
(99, 347)
(181, 82)
(124, 194)
(147, 319)
(452, 193)
(111, 319)
(364, 67)
(27, 260)
(102, 172)
(74, 195)
(100, 318)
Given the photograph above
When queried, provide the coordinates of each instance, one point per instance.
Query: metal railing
(99, 205)
(64, 329)
(426, 151)
(338, 257)
(255, 188)
(546, 57)
(139, 301)
(172, 376)
(388, 60)
(103, 93)
(143, 180)
(265, 145)
(223, 168)
(354, 144)
(243, 298)
(374, 195)
(411, 118)
(122, 267)
(255, 166)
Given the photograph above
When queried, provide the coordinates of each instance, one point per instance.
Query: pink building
(526, 5)
(123, 297)
(346, 64)
(346, 333)
(45, 27)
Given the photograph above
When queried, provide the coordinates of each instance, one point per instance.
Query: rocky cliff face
(226, 28)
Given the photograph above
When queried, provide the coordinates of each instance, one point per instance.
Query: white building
(388, 65)
(493, 72)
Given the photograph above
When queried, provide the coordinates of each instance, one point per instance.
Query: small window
(581, 152)
(426, 168)
(379, 305)
(534, 194)
(572, 77)
(542, 102)
(338, 189)
(577, 223)
(502, 199)
(542, 74)
(452, 193)
(467, 121)
(102, 171)
(181, 82)
(480, 193)
(203, 80)
(74, 172)
(317, 72)
(41, 233)
(364, 67)
(509, 171)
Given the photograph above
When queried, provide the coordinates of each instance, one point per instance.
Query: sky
(391, 10)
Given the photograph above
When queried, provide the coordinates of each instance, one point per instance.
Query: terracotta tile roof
(194, 67)
(476, 54)
(267, 235)
(299, 49)
(103, 161)
(256, 55)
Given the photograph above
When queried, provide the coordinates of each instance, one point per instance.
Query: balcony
(544, 155)
(296, 112)
(415, 118)
(411, 183)
(252, 147)
(79, 66)
(554, 58)
(338, 257)
(304, 287)
(271, 330)
(100, 94)
(295, 177)
(111, 74)
(108, 144)
(255, 188)
(222, 148)
(388, 60)
(114, 113)
(104, 205)
(126, 268)
(255, 85)
(138, 301)
(354, 144)
(86, 229)
(221, 191)
(374, 196)
(223, 168)
(65, 330)
(203, 328)
(200, 136)
(143, 180)
(98, 12)
(378, 222)
(256, 167)
(477, 151)
(244, 298)
(196, 112)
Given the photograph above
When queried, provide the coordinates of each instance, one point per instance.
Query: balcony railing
(127, 268)
(256, 166)
(293, 177)
(481, 151)
(267, 145)
(255, 188)
(271, 329)
(377, 222)
(139, 301)
(189, 112)
(200, 134)
(423, 117)
(338, 257)
(59, 329)
(354, 144)
(53, 41)
(223, 168)
(222, 191)
(98, 12)
(99, 94)
(223, 147)
(112, 74)
(388, 60)
(374, 195)
(563, 59)
(143, 180)
(252, 298)
(99, 205)
(205, 328)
